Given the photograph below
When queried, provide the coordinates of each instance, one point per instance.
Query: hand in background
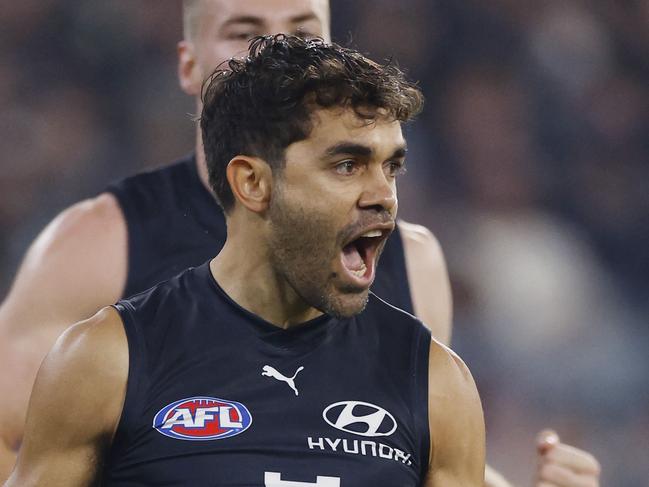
(563, 465)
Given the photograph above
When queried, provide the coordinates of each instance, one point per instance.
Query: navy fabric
(175, 223)
(216, 396)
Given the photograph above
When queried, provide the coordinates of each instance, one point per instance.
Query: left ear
(190, 75)
(251, 182)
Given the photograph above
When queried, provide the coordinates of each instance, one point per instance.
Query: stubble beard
(303, 246)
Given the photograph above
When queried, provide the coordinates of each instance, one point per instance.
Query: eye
(241, 36)
(395, 168)
(303, 34)
(346, 168)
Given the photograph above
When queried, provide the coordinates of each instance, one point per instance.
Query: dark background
(530, 164)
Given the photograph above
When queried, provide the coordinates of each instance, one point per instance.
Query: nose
(380, 192)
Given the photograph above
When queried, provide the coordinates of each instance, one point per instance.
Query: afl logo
(360, 418)
(202, 418)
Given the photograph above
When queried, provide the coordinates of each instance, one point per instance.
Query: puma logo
(269, 371)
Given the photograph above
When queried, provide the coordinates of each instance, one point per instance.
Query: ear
(190, 74)
(251, 181)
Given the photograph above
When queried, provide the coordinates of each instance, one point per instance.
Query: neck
(244, 272)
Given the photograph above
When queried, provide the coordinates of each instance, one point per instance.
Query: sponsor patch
(360, 418)
(202, 418)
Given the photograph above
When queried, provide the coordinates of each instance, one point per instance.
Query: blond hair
(191, 14)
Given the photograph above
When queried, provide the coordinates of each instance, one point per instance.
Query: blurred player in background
(120, 242)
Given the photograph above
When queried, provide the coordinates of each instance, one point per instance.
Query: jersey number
(274, 479)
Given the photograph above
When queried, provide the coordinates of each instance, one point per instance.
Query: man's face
(333, 206)
(224, 28)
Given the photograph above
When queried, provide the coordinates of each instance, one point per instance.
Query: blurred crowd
(530, 163)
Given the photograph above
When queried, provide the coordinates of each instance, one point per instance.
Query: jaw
(345, 303)
(349, 292)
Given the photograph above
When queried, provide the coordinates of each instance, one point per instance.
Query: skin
(79, 261)
(349, 188)
(65, 439)
(564, 465)
(76, 266)
(64, 442)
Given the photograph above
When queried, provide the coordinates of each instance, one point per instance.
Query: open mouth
(359, 256)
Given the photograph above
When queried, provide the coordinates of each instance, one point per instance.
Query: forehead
(331, 126)
(265, 11)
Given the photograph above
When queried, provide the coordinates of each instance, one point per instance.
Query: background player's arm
(494, 479)
(76, 266)
(428, 279)
(457, 431)
(431, 294)
(75, 405)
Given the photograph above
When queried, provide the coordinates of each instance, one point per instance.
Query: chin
(346, 305)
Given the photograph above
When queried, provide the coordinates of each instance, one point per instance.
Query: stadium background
(530, 163)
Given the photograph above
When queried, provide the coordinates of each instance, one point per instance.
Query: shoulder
(75, 404)
(420, 243)
(452, 394)
(84, 219)
(97, 341)
(77, 264)
(428, 279)
(455, 417)
(97, 220)
(446, 367)
(87, 371)
(90, 226)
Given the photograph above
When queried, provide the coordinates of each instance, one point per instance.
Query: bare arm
(494, 479)
(431, 294)
(428, 279)
(75, 266)
(456, 421)
(75, 405)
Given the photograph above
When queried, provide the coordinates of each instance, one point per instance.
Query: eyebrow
(303, 18)
(254, 20)
(243, 19)
(354, 149)
(399, 153)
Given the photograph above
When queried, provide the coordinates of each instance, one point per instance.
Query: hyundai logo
(360, 418)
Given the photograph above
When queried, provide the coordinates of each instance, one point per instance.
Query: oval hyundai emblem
(202, 418)
(360, 418)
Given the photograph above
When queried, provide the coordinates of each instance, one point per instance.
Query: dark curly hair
(260, 105)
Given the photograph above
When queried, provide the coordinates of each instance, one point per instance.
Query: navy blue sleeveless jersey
(216, 396)
(174, 223)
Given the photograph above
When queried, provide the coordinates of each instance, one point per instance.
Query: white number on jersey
(274, 479)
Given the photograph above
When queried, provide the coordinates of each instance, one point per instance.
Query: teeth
(372, 233)
(360, 272)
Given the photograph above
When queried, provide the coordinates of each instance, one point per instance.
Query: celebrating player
(150, 227)
(183, 384)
